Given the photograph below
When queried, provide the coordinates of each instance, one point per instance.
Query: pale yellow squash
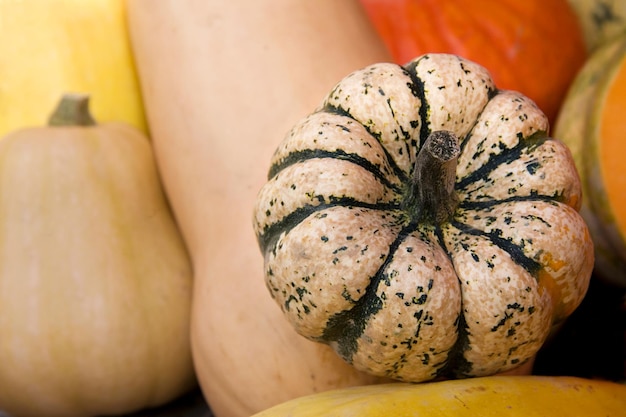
(95, 280)
(53, 46)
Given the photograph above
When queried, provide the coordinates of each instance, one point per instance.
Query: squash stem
(431, 197)
(72, 110)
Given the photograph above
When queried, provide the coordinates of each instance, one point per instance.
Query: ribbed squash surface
(395, 293)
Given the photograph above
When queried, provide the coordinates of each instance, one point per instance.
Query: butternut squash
(95, 285)
(222, 81)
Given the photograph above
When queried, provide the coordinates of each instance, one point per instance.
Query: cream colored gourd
(222, 81)
(423, 224)
(95, 284)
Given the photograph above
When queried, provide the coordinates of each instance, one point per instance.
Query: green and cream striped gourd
(423, 224)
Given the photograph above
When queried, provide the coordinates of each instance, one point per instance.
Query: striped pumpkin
(422, 223)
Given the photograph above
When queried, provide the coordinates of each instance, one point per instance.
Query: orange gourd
(534, 46)
(592, 124)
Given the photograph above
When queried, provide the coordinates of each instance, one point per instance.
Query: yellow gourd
(95, 284)
(53, 46)
(527, 396)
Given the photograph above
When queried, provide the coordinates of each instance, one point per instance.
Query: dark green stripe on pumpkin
(344, 329)
(457, 365)
(307, 154)
(507, 156)
(392, 163)
(515, 251)
(486, 204)
(417, 89)
(269, 236)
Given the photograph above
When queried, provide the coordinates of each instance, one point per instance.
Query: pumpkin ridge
(463, 141)
(344, 328)
(515, 251)
(457, 364)
(304, 155)
(398, 172)
(505, 157)
(417, 88)
(270, 234)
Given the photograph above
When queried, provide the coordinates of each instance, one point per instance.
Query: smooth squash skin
(95, 284)
(591, 123)
(601, 20)
(223, 80)
(55, 46)
(527, 396)
(533, 46)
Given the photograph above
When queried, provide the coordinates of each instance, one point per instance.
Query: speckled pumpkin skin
(412, 300)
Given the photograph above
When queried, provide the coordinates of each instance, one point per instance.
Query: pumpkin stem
(431, 197)
(72, 110)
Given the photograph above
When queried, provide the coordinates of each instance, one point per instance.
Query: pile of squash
(305, 207)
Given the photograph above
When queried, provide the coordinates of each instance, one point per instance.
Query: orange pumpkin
(518, 42)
